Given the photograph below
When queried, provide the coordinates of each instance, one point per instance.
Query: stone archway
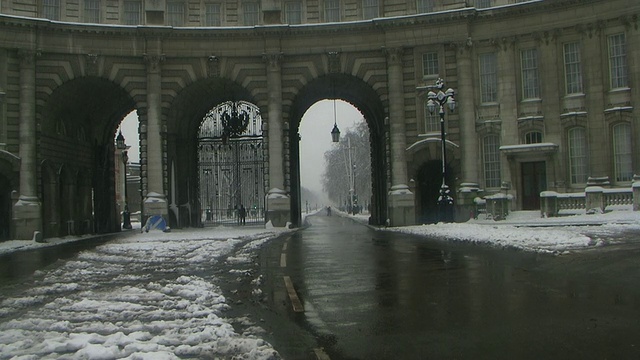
(359, 94)
(184, 119)
(79, 120)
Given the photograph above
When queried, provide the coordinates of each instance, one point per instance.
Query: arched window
(622, 152)
(578, 161)
(491, 160)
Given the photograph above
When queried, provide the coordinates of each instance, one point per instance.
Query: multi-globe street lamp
(436, 98)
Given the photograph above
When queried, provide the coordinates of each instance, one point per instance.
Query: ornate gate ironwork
(231, 164)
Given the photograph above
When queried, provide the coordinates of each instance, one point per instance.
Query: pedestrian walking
(242, 215)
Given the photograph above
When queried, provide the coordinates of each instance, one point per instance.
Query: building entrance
(534, 181)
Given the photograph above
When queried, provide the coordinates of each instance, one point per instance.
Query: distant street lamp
(122, 146)
(439, 100)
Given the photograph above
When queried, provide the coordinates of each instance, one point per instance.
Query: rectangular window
(430, 64)
(533, 137)
(572, 68)
(212, 15)
(92, 11)
(618, 61)
(424, 6)
(251, 13)
(332, 10)
(51, 9)
(622, 152)
(132, 13)
(530, 85)
(293, 12)
(370, 9)
(175, 13)
(491, 159)
(488, 78)
(431, 121)
(578, 155)
(480, 4)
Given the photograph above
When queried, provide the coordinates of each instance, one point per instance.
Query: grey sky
(315, 131)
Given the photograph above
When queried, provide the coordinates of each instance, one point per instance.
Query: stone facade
(545, 94)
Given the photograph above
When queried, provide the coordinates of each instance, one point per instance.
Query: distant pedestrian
(242, 215)
(329, 211)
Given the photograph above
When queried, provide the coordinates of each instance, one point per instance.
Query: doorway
(534, 181)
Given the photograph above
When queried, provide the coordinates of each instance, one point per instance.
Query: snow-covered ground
(145, 296)
(527, 230)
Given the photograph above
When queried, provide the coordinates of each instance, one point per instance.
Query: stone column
(468, 138)
(401, 199)
(278, 201)
(155, 201)
(26, 212)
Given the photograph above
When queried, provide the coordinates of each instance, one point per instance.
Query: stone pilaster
(155, 201)
(401, 199)
(27, 215)
(465, 99)
(278, 201)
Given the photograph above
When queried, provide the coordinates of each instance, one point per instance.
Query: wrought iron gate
(231, 164)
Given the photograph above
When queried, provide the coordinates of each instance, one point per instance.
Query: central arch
(184, 119)
(363, 97)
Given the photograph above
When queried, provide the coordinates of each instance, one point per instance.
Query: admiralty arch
(545, 94)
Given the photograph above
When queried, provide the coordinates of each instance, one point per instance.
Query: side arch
(364, 98)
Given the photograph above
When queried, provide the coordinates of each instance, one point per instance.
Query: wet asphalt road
(377, 295)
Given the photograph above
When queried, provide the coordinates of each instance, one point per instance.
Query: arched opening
(231, 165)
(334, 174)
(184, 122)
(78, 126)
(362, 97)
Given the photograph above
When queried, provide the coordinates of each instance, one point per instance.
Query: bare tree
(342, 160)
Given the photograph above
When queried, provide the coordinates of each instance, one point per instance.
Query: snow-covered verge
(526, 230)
(147, 296)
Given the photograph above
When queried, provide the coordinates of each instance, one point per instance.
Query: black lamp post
(122, 146)
(439, 99)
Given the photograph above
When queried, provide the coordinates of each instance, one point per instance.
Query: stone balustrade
(595, 199)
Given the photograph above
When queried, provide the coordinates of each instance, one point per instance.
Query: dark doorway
(534, 181)
(428, 190)
(5, 209)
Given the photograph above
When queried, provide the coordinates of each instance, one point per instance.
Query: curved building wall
(546, 94)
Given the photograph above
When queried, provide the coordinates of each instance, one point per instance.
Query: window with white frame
(480, 4)
(618, 61)
(51, 9)
(175, 13)
(491, 160)
(293, 12)
(424, 6)
(213, 14)
(578, 164)
(488, 77)
(332, 10)
(431, 121)
(430, 64)
(572, 68)
(533, 137)
(251, 13)
(530, 84)
(92, 11)
(370, 9)
(622, 152)
(132, 13)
